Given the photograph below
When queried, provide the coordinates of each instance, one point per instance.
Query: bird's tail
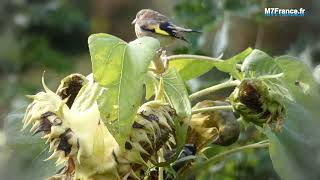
(195, 31)
(187, 30)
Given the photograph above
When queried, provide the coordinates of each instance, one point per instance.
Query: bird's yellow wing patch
(159, 31)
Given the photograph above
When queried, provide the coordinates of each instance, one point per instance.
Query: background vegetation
(51, 35)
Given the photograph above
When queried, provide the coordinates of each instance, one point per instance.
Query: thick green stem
(214, 88)
(205, 165)
(210, 109)
(196, 57)
(273, 76)
(193, 57)
(238, 149)
(161, 159)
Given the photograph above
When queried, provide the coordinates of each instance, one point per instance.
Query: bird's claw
(160, 62)
(164, 60)
(159, 51)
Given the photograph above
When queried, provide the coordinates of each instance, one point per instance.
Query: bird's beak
(134, 21)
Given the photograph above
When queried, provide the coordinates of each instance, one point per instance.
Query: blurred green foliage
(206, 15)
(51, 33)
(37, 35)
(46, 33)
(209, 17)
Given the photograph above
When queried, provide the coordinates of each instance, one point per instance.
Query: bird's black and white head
(149, 14)
(141, 14)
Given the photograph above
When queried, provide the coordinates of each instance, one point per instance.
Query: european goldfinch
(152, 23)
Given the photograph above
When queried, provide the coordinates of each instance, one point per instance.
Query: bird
(154, 24)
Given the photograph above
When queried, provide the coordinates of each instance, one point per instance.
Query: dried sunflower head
(217, 127)
(82, 142)
(254, 101)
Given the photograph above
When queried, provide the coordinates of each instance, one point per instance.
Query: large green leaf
(122, 68)
(151, 84)
(108, 107)
(107, 54)
(177, 95)
(298, 79)
(261, 65)
(295, 149)
(230, 65)
(192, 67)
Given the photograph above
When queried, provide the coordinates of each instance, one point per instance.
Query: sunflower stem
(161, 159)
(205, 165)
(213, 89)
(210, 109)
(273, 76)
(197, 58)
